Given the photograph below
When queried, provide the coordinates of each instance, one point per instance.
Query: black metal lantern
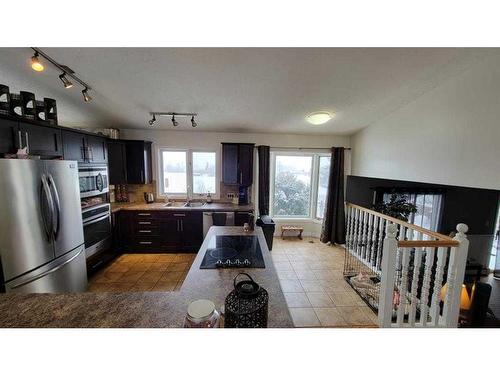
(246, 306)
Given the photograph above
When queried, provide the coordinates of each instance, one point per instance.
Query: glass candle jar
(202, 314)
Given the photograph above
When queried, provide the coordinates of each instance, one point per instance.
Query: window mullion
(189, 173)
(314, 186)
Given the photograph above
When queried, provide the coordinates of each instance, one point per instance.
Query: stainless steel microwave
(93, 180)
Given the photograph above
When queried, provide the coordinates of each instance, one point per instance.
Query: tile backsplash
(136, 192)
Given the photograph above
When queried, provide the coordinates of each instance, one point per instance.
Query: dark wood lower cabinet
(160, 231)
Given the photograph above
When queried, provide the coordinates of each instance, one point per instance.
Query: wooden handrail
(441, 239)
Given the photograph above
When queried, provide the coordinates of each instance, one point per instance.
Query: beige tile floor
(317, 295)
(310, 274)
(142, 273)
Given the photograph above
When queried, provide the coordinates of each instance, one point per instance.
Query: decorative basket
(28, 105)
(4, 100)
(50, 110)
(247, 305)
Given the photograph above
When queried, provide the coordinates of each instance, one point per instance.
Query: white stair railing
(411, 265)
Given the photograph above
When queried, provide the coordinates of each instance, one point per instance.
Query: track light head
(86, 96)
(66, 82)
(174, 121)
(152, 121)
(36, 65)
(193, 122)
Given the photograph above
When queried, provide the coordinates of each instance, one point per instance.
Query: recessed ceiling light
(319, 118)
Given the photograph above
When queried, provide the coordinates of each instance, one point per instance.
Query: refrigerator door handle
(57, 206)
(43, 274)
(46, 203)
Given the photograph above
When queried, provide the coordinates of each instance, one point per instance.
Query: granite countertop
(148, 309)
(160, 206)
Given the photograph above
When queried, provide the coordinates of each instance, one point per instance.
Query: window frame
(189, 172)
(313, 183)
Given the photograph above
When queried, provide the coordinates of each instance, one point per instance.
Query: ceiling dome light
(36, 65)
(319, 118)
(86, 96)
(66, 82)
(174, 121)
(193, 123)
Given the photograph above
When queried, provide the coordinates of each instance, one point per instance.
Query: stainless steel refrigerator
(41, 237)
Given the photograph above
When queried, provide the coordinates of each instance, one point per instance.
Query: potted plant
(397, 207)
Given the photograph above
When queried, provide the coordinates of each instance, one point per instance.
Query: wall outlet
(230, 195)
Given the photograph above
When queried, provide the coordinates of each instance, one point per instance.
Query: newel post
(386, 297)
(455, 278)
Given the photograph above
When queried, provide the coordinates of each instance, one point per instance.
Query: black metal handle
(242, 273)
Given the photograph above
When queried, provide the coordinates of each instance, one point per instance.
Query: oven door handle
(85, 223)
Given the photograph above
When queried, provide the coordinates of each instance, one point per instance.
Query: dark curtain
(333, 229)
(263, 152)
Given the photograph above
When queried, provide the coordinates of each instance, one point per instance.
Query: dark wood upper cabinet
(41, 140)
(97, 149)
(130, 162)
(237, 163)
(230, 173)
(74, 146)
(84, 148)
(117, 158)
(9, 136)
(245, 164)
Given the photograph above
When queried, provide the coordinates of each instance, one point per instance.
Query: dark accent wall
(475, 207)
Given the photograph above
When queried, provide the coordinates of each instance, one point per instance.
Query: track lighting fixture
(153, 120)
(36, 65)
(86, 96)
(66, 82)
(65, 72)
(174, 116)
(174, 121)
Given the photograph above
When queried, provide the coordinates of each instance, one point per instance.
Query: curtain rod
(308, 148)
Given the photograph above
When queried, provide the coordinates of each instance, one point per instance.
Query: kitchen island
(147, 309)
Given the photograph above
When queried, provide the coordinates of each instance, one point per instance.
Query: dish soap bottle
(209, 197)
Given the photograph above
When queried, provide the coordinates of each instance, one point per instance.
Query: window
(204, 179)
(323, 176)
(187, 172)
(299, 184)
(428, 209)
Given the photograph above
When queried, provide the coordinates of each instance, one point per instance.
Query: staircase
(411, 276)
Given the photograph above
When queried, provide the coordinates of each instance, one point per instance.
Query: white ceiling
(238, 89)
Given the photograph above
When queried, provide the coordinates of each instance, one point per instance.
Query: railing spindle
(438, 283)
(417, 260)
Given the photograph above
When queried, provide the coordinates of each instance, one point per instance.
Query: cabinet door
(192, 231)
(9, 136)
(135, 162)
(117, 163)
(98, 149)
(41, 140)
(241, 218)
(171, 239)
(230, 173)
(245, 164)
(73, 145)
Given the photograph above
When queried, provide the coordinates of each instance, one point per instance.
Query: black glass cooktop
(233, 251)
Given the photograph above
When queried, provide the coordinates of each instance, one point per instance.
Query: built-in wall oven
(93, 180)
(96, 228)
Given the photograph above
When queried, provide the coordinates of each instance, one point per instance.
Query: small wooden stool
(290, 228)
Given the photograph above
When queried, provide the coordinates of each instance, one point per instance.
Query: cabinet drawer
(147, 231)
(145, 244)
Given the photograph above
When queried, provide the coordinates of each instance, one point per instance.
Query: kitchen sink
(194, 204)
(175, 204)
